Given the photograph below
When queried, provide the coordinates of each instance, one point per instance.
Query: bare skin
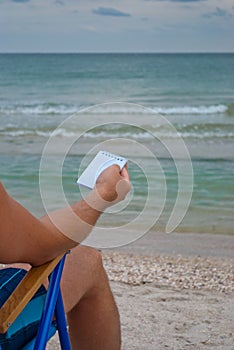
(92, 314)
(36, 241)
(91, 310)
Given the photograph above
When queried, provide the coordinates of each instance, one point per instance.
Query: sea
(170, 115)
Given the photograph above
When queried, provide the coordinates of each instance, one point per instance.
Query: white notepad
(100, 162)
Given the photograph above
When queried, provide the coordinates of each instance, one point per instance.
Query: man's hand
(111, 187)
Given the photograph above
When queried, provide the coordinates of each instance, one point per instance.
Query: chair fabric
(53, 306)
(26, 324)
(31, 344)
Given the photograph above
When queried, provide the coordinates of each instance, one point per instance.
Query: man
(92, 314)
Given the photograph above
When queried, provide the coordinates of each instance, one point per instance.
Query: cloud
(20, 1)
(59, 2)
(187, 0)
(109, 11)
(219, 12)
(181, 1)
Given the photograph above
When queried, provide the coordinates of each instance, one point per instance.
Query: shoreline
(185, 244)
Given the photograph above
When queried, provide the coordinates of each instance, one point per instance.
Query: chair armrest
(24, 292)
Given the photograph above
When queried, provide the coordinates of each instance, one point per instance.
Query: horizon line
(116, 52)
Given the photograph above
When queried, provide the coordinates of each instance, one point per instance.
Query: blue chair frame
(53, 307)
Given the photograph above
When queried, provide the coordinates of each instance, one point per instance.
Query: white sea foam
(215, 109)
(117, 108)
(160, 134)
(134, 109)
(39, 109)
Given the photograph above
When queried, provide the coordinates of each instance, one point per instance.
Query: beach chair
(53, 316)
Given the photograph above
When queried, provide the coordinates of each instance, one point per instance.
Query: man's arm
(24, 238)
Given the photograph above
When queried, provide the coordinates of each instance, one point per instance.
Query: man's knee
(93, 257)
(84, 275)
(89, 260)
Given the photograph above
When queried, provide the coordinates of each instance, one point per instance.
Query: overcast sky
(116, 26)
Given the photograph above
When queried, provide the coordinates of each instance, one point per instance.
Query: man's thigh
(79, 274)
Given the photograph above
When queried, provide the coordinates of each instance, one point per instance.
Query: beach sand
(174, 292)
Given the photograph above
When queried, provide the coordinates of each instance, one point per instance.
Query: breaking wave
(116, 108)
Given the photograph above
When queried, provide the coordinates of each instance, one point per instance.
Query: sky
(117, 26)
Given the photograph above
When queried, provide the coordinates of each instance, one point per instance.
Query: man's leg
(92, 314)
(91, 310)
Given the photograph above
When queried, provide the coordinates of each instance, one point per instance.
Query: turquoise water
(195, 92)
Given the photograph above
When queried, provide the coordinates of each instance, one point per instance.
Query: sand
(174, 292)
(155, 317)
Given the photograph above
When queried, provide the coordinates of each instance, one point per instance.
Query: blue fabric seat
(53, 315)
(31, 344)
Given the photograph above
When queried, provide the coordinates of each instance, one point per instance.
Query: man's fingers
(125, 173)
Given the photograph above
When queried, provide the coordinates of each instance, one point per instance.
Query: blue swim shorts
(26, 325)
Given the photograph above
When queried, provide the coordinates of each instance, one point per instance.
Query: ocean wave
(108, 134)
(39, 109)
(137, 109)
(114, 108)
(34, 132)
(201, 110)
(69, 133)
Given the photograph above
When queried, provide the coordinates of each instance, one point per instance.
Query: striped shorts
(26, 325)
